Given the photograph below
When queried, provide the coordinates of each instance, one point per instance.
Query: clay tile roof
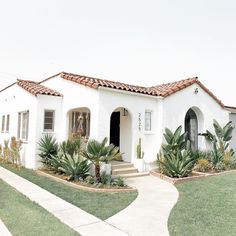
(168, 89)
(95, 83)
(36, 88)
(163, 90)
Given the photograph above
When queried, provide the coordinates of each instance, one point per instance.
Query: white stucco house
(66, 104)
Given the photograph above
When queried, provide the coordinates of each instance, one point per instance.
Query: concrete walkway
(3, 230)
(148, 214)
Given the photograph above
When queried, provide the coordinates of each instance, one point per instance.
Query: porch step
(133, 175)
(123, 171)
(121, 166)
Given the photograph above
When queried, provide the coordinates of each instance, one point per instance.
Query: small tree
(98, 152)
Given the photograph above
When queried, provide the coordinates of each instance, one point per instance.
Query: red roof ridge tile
(35, 88)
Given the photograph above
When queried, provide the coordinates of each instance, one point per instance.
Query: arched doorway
(120, 131)
(191, 127)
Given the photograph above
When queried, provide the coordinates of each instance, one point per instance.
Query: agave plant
(48, 147)
(74, 166)
(176, 165)
(98, 152)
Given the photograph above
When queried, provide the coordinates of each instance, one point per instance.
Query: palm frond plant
(98, 152)
(48, 147)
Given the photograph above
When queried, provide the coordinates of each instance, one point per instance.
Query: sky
(141, 42)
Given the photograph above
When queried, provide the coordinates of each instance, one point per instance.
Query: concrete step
(121, 166)
(124, 171)
(133, 175)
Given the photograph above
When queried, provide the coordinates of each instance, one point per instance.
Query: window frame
(53, 120)
(3, 124)
(149, 128)
(21, 125)
(7, 123)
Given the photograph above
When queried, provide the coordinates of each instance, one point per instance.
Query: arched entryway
(79, 122)
(120, 131)
(191, 127)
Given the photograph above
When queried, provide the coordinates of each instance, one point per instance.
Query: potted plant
(139, 162)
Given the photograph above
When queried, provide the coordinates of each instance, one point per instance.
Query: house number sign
(139, 122)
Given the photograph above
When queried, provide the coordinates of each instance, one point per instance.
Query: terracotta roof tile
(168, 89)
(36, 88)
(163, 90)
(95, 83)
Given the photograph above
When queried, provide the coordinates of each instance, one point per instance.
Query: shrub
(203, 165)
(71, 146)
(48, 147)
(220, 166)
(75, 167)
(175, 158)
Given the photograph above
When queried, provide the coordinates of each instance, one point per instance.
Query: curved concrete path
(148, 214)
(3, 229)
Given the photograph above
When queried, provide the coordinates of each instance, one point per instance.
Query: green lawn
(206, 207)
(102, 205)
(23, 217)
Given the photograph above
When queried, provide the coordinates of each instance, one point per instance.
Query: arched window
(191, 127)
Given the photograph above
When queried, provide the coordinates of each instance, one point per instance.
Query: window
(3, 123)
(23, 125)
(48, 120)
(148, 120)
(8, 123)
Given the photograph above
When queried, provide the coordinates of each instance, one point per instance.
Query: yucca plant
(75, 167)
(98, 152)
(48, 147)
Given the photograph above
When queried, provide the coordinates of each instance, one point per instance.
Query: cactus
(140, 153)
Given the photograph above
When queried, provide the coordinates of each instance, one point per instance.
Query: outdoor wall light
(124, 112)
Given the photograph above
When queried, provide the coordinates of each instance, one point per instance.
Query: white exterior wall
(75, 96)
(136, 104)
(232, 117)
(14, 100)
(206, 108)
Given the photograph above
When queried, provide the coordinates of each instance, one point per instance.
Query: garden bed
(194, 176)
(84, 186)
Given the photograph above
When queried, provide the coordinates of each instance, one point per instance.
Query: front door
(115, 129)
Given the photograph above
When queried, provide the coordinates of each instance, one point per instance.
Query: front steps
(126, 170)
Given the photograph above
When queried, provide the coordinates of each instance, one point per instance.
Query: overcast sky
(145, 42)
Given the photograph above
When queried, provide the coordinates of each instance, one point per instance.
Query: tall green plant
(48, 147)
(175, 159)
(220, 142)
(98, 152)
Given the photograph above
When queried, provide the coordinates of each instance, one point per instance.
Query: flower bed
(194, 176)
(84, 186)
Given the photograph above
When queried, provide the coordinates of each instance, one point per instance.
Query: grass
(23, 217)
(205, 207)
(102, 205)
